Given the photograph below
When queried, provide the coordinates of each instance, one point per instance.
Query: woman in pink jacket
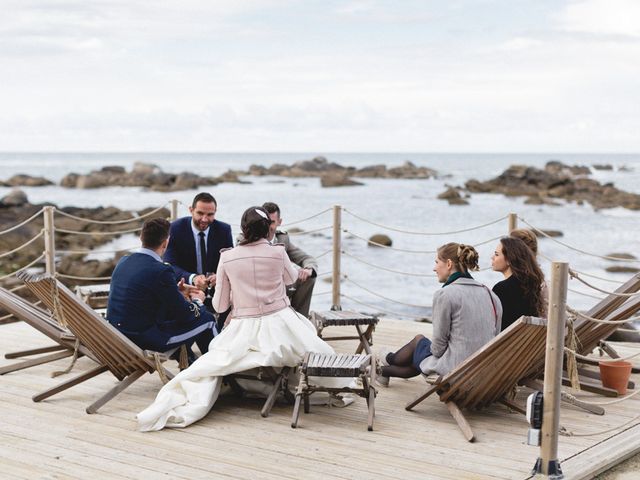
(262, 328)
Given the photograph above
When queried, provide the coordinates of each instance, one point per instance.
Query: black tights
(401, 362)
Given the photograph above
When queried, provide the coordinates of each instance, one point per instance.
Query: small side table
(333, 318)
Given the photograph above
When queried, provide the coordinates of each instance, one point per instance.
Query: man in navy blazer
(188, 238)
(148, 306)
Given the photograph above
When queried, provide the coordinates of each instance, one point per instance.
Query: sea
(397, 282)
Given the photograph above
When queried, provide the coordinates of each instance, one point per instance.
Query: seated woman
(466, 315)
(262, 330)
(521, 290)
(531, 241)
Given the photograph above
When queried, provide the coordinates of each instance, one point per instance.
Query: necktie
(203, 254)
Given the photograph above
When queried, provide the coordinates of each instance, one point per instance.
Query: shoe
(382, 356)
(379, 380)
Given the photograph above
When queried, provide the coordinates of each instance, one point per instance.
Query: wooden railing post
(49, 241)
(513, 222)
(548, 463)
(174, 210)
(337, 245)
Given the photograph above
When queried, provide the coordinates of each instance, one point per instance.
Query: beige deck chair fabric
(112, 350)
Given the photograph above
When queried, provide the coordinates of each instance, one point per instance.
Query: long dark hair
(526, 270)
(254, 224)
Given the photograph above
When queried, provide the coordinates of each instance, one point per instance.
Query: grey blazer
(464, 320)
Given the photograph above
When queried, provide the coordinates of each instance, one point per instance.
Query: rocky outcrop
(337, 179)
(15, 198)
(453, 196)
(141, 175)
(22, 180)
(556, 181)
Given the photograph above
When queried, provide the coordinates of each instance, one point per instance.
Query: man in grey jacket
(300, 293)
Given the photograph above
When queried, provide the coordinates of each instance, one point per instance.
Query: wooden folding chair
(113, 351)
(41, 320)
(336, 365)
(491, 373)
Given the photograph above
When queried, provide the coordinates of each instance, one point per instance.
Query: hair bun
(468, 257)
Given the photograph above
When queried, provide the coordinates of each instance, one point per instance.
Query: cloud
(602, 17)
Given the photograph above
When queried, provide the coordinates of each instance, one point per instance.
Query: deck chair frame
(113, 351)
(491, 373)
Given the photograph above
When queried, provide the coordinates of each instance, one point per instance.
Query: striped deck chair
(491, 373)
(113, 351)
(41, 320)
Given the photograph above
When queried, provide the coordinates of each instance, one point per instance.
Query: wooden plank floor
(56, 439)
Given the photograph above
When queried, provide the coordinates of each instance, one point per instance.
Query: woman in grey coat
(466, 315)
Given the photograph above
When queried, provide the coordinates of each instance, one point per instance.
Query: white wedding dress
(277, 340)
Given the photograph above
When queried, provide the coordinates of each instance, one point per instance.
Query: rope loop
(111, 222)
(574, 274)
(24, 222)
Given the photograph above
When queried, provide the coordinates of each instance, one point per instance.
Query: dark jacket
(145, 303)
(181, 252)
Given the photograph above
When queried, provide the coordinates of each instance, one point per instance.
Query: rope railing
(577, 313)
(111, 222)
(386, 269)
(575, 249)
(87, 251)
(308, 232)
(617, 359)
(326, 252)
(344, 230)
(310, 217)
(75, 277)
(382, 310)
(574, 274)
(118, 232)
(413, 232)
(578, 292)
(590, 275)
(30, 264)
(24, 222)
(24, 245)
(569, 433)
(348, 279)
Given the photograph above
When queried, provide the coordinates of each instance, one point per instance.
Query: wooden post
(513, 222)
(548, 463)
(49, 241)
(174, 210)
(335, 279)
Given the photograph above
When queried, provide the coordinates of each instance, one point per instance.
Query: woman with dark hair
(521, 290)
(466, 315)
(262, 329)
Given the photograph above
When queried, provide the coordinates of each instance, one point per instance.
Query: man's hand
(304, 274)
(196, 294)
(186, 289)
(200, 282)
(211, 279)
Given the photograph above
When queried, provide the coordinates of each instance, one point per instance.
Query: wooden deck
(56, 439)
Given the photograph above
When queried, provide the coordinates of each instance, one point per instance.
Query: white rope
(575, 275)
(73, 277)
(324, 274)
(616, 259)
(617, 359)
(610, 402)
(79, 252)
(411, 274)
(323, 254)
(111, 222)
(5, 254)
(319, 294)
(585, 294)
(76, 232)
(346, 277)
(386, 246)
(307, 232)
(31, 264)
(540, 254)
(569, 433)
(410, 232)
(19, 287)
(390, 312)
(24, 222)
(309, 218)
(599, 320)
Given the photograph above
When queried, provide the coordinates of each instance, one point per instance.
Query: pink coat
(252, 278)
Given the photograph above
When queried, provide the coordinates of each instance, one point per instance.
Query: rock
(625, 168)
(601, 166)
(294, 230)
(22, 180)
(141, 168)
(550, 233)
(70, 180)
(113, 169)
(15, 198)
(453, 196)
(458, 201)
(380, 239)
(541, 200)
(622, 256)
(622, 269)
(556, 167)
(91, 181)
(337, 180)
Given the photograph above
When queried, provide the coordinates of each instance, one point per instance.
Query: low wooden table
(333, 318)
(96, 296)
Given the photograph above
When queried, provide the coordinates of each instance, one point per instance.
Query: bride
(262, 330)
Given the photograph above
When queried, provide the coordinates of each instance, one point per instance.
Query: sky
(320, 76)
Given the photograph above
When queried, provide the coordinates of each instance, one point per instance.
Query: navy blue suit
(181, 252)
(146, 305)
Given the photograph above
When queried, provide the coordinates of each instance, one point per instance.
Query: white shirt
(196, 239)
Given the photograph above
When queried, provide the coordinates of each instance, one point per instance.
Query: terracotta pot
(615, 374)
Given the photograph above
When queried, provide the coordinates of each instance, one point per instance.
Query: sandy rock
(15, 198)
(22, 180)
(622, 256)
(453, 196)
(337, 180)
(380, 239)
(601, 166)
(622, 269)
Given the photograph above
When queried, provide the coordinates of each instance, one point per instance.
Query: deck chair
(41, 320)
(492, 372)
(113, 351)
